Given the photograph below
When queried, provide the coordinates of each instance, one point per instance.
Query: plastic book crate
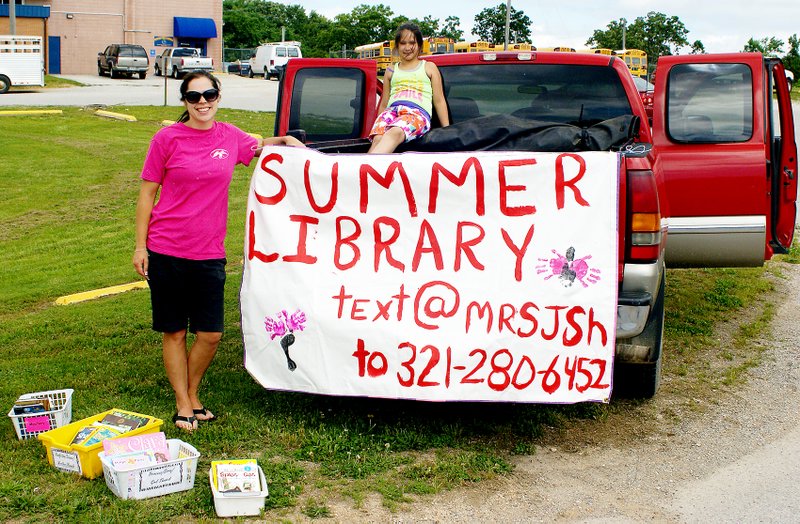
(84, 460)
(32, 424)
(158, 479)
(239, 504)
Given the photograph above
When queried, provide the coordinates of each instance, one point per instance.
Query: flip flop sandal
(203, 411)
(188, 420)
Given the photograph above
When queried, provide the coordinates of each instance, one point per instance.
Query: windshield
(184, 51)
(642, 84)
(575, 94)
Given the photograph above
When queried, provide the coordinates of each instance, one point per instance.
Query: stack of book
(29, 406)
(236, 476)
(112, 425)
(126, 453)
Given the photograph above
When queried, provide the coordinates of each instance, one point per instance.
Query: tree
(656, 34)
(792, 59)
(698, 48)
(765, 46)
(490, 25)
(451, 30)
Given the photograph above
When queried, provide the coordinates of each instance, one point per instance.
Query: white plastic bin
(60, 413)
(159, 479)
(239, 504)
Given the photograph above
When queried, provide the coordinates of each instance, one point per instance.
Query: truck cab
(711, 183)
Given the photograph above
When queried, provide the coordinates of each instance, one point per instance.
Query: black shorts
(187, 293)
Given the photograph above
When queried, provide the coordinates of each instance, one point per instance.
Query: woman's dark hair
(408, 26)
(185, 87)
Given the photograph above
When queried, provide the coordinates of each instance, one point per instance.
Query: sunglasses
(193, 97)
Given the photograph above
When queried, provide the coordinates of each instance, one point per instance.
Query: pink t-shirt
(194, 168)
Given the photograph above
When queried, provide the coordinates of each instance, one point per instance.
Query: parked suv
(123, 59)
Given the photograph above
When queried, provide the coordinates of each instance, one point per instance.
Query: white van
(269, 56)
(21, 61)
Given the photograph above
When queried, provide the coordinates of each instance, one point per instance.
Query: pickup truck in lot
(711, 182)
(177, 61)
(123, 59)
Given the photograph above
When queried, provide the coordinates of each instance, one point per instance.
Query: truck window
(325, 103)
(710, 103)
(132, 51)
(183, 51)
(280, 51)
(566, 94)
(293, 52)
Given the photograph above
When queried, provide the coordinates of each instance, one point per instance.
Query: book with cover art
(153, 442)
(30, 406)
(236, 476)
(133, 460)
(123, 419)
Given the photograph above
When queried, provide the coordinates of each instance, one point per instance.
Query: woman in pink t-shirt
(180, 237)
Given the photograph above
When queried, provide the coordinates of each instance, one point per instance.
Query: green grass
(69, 187)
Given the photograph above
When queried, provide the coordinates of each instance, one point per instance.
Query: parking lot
(253, 94)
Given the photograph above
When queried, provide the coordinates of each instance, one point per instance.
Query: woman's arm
(144, 208)
(277, 141)
(439, 103)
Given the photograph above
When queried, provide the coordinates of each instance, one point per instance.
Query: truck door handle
(789, 173)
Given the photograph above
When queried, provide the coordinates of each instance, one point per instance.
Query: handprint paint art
(283, 325)
(568, 269)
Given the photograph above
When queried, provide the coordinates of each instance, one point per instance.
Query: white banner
(486, 276)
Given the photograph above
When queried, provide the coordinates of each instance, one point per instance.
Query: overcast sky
(722, 26)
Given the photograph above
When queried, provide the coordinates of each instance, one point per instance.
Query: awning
(194, 27)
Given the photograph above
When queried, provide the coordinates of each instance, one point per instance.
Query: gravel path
(731, 458)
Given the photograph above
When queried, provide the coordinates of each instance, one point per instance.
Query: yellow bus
(599, 51)
(381, 52)
(558, 49)
(437, 45)
(472, 47)
(515, 46)
(636, 60)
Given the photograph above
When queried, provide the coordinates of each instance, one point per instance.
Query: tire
(142, 75)
(156, 70)
(99, 69)
(5, 84)
(111, 72)
(641, 379)
(250, 73)
(175, 73)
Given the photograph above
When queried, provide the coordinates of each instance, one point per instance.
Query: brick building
(76, 30)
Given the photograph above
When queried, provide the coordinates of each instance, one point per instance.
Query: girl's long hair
(415, 30)
(185, 87)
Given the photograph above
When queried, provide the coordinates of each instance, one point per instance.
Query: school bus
(381, 52)
(636, 60)
(472, 47)
(437, 45)
(516, 46)
(599, 51)
(558, 49)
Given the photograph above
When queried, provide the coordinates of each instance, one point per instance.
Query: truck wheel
(175, 73)
(111, 72)
(641, 379)
(250, 73)
(142, 75)
(156, 70)
(99, 69)
(5, 84)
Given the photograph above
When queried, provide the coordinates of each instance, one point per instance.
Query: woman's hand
(141, 262)
(277, 141)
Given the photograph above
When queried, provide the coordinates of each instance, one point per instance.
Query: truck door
(322, 99)
(728, 157)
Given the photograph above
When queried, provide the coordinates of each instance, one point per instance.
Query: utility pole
(624, 27)
(12, 17)
(508, 23)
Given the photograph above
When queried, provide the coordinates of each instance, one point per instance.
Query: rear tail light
(644, 222)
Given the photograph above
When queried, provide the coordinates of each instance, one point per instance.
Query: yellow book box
(75, 448)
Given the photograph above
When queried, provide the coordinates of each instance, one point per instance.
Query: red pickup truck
(712, 182)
